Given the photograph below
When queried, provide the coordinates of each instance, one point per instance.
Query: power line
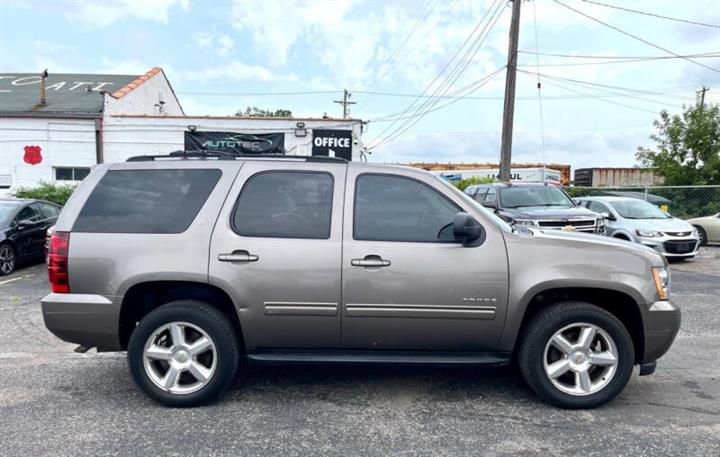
(449, 79)
(248, 94)
(595, 56)
(427, 9)
(469, 89)
(585, 84)
(624, 60)
(647, 13)
(601, 99)
(539, 92)
(500, 97)
(604, 86)
(617, 29)
(430, 104)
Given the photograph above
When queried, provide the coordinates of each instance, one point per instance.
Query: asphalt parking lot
(56, 402)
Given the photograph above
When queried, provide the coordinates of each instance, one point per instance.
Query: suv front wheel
(184, 353)
(576, 355)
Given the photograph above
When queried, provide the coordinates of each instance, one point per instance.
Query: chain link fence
(684, 202)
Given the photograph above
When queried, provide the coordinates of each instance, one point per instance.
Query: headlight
(661, 276)
(524, 222)
(648, 233)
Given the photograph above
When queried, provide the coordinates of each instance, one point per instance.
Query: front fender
(543, 263)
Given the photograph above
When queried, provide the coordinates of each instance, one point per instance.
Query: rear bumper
(90, 320)
(662, 323)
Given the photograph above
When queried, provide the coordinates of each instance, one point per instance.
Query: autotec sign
(332, 143)
(239, 143)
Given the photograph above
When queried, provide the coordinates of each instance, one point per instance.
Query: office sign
(332, 143)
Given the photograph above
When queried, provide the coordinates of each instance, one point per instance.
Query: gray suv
(197, 262)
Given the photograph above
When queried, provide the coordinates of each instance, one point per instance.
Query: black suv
(538, 205)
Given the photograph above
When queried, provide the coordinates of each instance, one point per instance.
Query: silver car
(642, 222)
(194, 262)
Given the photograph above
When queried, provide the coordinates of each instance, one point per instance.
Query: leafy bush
(465, 183)
(56, 193)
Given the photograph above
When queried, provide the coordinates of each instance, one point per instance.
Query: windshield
(499, 222)
(6, 209)
(638, 209)
(519, 196)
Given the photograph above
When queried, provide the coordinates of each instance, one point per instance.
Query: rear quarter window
(146, 201)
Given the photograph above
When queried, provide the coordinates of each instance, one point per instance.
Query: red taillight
(57, 258)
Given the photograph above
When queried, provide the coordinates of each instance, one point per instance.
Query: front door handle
(370, 261)
(238, 256)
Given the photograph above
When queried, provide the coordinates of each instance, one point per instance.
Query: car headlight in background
(661, 276)
(648, 233)
(524, 222)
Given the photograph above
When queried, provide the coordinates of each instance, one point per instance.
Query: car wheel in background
(576, 355)
(7, 259)
(703, 235)
(184, 353)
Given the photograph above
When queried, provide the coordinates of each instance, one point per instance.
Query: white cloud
(220, 42)
(237, 71)
(98, 15)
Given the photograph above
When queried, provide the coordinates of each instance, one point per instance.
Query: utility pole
(345, 103)
(509, 108)
(701, 94)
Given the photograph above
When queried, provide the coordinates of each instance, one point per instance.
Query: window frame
(72, 173)
(235, 229)
(409, 178)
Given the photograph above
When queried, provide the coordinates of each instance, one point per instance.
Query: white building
(56, 128)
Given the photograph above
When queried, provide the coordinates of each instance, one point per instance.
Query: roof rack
(225, 155)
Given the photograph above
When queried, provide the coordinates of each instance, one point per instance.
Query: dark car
(537, 205)
(23, 224)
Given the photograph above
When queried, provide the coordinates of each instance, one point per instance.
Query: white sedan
(708, 227)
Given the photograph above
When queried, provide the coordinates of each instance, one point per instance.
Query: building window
(71, 173)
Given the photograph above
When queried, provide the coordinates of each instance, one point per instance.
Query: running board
(379, 356)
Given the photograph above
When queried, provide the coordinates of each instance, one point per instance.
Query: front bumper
(661, 324)
(672, 246)
(86, 319)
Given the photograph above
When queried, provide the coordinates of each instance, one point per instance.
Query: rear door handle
(238, 256)
(370, 261)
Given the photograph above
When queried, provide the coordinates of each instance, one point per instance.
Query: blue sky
(236, 48)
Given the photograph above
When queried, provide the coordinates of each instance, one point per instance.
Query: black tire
(703, 235)
(214, 323)
(7, 266)
(544, 325)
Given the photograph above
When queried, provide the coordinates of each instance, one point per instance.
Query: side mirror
(491, 205)
(468, 230)
(608, 216)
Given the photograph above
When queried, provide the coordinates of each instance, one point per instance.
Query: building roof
(69, 94)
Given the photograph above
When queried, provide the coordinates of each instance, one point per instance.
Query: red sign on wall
(32, 155)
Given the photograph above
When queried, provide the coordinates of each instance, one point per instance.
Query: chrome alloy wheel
(7, 259)
(580, 359)
(180, 358)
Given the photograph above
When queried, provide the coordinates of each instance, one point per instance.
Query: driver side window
(28, 214)
(395, 208)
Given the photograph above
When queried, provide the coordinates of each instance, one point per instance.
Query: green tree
(465, 183)
(56, 193)
(254, 111)
(687, 147)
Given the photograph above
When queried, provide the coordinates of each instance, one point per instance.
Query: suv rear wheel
(184, 353)
(576, 355)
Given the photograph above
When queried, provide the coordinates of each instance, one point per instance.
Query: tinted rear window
(285, 204)
(146, 201)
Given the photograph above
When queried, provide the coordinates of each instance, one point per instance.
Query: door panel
(425, 295)
(287, 290)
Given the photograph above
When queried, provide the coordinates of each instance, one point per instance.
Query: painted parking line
(7, 281)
